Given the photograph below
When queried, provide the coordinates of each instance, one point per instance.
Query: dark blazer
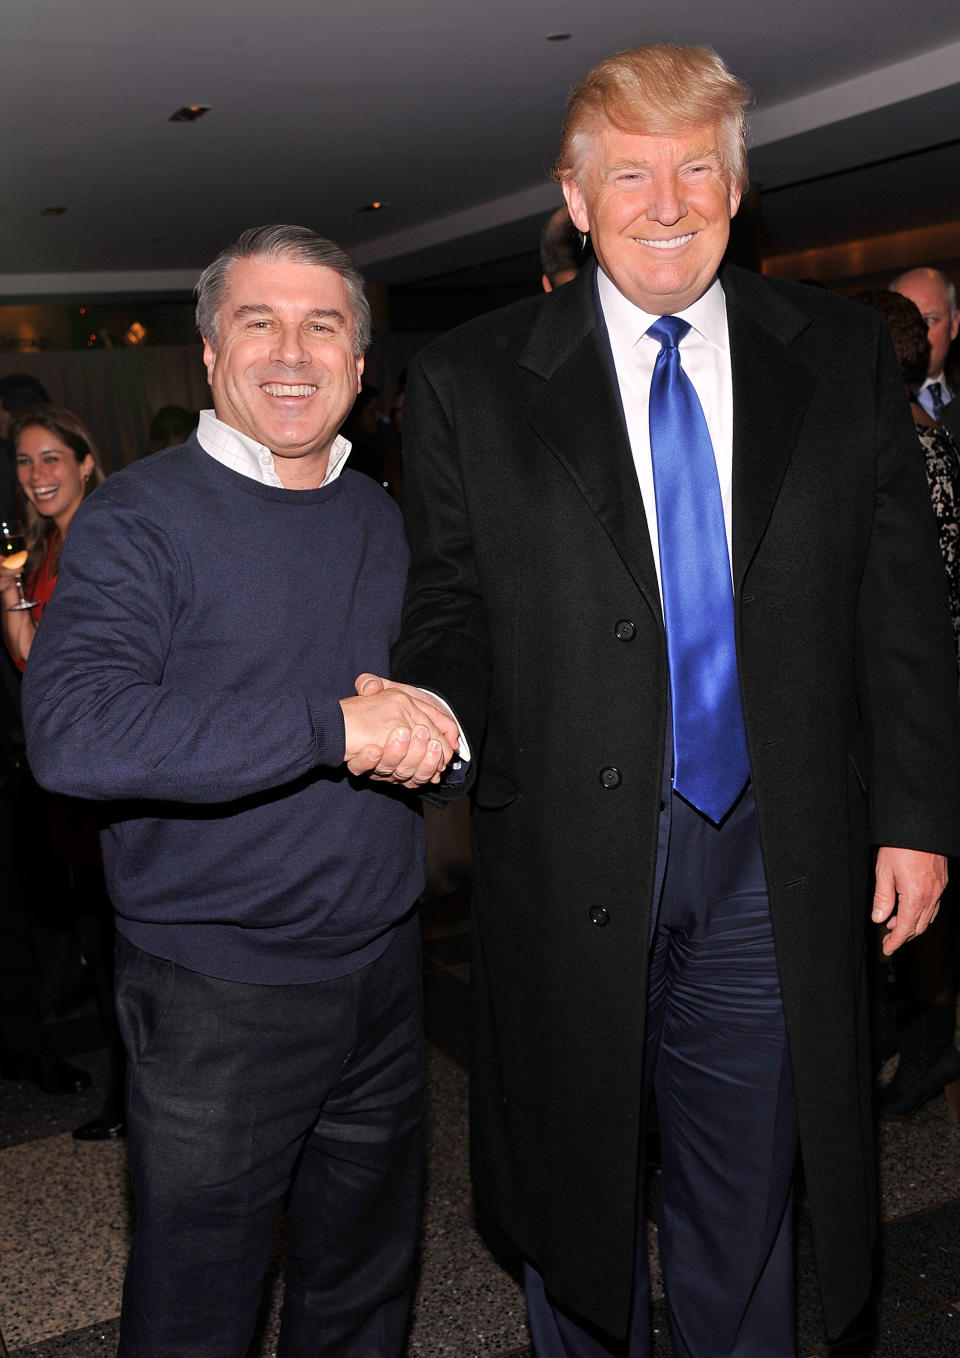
(533, 608)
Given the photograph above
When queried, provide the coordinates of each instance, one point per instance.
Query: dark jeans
(238, 1095)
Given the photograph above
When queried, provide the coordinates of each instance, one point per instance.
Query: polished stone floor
(65, 1215)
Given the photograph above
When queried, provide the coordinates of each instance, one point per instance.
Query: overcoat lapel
(579, 418)
(772, 389)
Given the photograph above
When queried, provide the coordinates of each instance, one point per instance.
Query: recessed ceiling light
(53, 212)
(189, 113)
(375, 206)
(558, 37)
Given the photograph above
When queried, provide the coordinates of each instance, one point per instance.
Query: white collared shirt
(705, 356)
(245, 455)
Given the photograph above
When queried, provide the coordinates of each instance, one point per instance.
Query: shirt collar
(941, 382)
(626, 322)
(253, 459)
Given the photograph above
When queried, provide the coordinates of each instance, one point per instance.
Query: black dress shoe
(99, 1129)
(51, 1074)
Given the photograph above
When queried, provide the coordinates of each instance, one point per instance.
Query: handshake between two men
(396, 733)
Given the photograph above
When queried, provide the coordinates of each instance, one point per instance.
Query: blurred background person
(57, 466)
(363, 428)
(916, 993)
(24, 1054)
(170, 426)
(936, 297)
(561, 250)
(19, 392)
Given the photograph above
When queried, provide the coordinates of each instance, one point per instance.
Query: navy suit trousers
(718, 1062)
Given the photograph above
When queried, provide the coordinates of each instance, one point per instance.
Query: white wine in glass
(13, 557)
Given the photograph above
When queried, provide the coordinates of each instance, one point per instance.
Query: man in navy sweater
(213, 604)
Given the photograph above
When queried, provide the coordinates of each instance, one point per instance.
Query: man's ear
(575, 204)
(209, 359)
(359, 373)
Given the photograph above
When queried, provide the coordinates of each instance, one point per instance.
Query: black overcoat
(533, 608)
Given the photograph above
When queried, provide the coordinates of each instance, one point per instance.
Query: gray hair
(297, 243)
(949, 287)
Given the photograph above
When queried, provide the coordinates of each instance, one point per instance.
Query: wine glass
(13, 557)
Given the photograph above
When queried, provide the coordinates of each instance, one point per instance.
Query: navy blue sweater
(188, 669)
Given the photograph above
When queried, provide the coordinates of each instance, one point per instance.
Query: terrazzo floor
(65, 1217)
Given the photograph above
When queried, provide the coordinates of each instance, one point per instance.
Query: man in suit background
(936, 297)
(674, 570)
(561, 251)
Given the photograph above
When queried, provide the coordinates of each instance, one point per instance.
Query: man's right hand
(396, 734)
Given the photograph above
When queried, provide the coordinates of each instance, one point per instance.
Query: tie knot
(669, 330)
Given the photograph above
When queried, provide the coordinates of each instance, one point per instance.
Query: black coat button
(610, 777)
(599, 916)
(625, 630)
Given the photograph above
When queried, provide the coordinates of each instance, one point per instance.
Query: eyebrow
(634, 162)
(317, 313)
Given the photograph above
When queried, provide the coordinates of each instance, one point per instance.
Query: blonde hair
(65, 426)
(657, 90)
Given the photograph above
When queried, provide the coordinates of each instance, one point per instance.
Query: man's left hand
(909, 886)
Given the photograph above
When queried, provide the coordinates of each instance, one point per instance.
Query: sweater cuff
(329, 733)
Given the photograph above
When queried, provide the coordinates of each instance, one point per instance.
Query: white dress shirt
(245, 455)
(705, 356)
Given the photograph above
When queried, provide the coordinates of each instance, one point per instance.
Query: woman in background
(56, 467)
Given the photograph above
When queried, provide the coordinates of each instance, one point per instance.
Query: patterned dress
(943, 475)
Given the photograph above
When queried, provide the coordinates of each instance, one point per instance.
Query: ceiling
(446, 110)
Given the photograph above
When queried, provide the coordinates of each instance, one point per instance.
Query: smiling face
(284, 370)
(658, 211)
(49, 474)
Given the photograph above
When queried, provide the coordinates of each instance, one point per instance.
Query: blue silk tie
(935, 392)
(710, 766)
